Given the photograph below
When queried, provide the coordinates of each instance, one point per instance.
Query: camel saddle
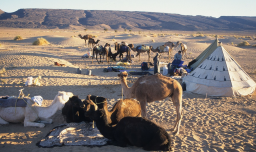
(143, 47)
(161, 48)
(13, 102)
(98, 47)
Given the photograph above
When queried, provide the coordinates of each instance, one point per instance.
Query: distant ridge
(100, 19)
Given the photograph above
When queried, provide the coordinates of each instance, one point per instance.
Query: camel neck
(103, 127)
(126, 89)
(47, 112)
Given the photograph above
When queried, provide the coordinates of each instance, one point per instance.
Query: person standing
(156, 63)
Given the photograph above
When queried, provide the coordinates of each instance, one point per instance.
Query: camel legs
(143, 105)
(28, 123)
(178, 106)
(148, 56)
(45, 120)
(3, 122)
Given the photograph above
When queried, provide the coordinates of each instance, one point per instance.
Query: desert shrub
(153, 40)
(41, 41)
(249, 37)
(113, 39)
(232, 43)
(85, 30)
(153, 35)
(105, 29)
(244, 43)
(254, 45)
(17, 38)
(116, 31)
(200, 35)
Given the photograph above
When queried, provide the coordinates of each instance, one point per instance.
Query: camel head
(123, 75)
(90, 108)
(62, 97)
(131, 46)
(76, 101)
(107, 45)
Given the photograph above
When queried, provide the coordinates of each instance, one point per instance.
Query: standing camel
(102, 51)
(92, 42)
(183, 49)
(141, 49)
(121, 48)
(152, 88)
(85, 37)
(171, 47)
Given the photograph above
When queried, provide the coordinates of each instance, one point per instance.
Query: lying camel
(133, 131)
(32, 112)
(147, 89)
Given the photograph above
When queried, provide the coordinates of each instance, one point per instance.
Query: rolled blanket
(13, 102)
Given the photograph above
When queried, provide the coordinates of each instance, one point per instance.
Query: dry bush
(113, 39)
(41, 41)
(17, 38)
(153, 35)
(244, 43)
(153, 40)
(254, 45)
(249, 37)
(200, 35)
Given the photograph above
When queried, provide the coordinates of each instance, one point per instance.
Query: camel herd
(126, 123)
(126, 48)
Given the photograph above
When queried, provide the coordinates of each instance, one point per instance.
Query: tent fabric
(220, 75)
(204, 54)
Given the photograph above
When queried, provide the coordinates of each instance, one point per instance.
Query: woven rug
(73, 134)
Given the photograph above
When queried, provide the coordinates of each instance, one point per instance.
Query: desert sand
(208, 124)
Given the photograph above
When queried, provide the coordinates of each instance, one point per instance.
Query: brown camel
(92, 42)
(141, 49)
(171, 47)
(152, 88)
(85, 37)
(183, 49)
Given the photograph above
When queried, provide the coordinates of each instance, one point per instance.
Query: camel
(72, 111)
(32, 112)
(141, 49)
(151, 88)
(171, 47)
(92, 42)
(85, 37)
(102, 51)
(134, 131)
(121, 49)
(183, 49)
(121, 109)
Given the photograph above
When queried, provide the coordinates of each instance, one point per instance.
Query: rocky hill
(66, 18)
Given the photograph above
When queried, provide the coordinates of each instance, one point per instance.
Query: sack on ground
(145, 66)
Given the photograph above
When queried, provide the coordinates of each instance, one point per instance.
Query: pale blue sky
(214, 8)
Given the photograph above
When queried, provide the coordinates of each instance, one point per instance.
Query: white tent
(219, 75)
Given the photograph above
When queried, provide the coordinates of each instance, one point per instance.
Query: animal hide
(12, 102)
(74, 134)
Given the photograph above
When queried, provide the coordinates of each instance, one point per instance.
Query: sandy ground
(209, 124)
